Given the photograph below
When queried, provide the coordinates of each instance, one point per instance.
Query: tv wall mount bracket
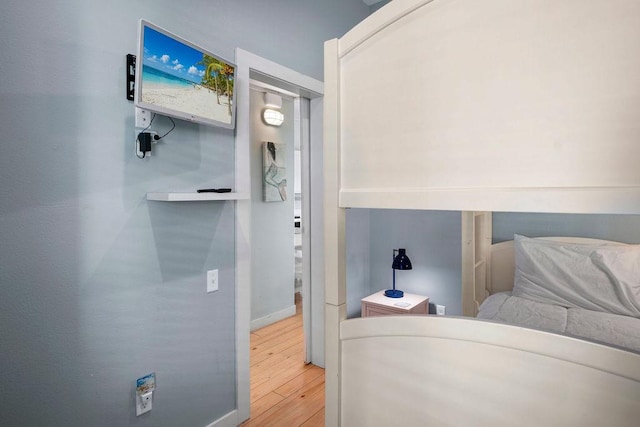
(131, 76)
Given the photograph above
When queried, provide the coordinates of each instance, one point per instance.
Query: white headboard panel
(491, 105)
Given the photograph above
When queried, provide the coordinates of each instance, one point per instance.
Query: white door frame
(309, 88)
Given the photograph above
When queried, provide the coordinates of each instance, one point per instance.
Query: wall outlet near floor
(440, 310)
(144, 393)
(144, 403)
(212, 280)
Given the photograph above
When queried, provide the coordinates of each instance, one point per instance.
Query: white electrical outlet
(143, 117)
(144, 403)
(440, 310)
(212, 280)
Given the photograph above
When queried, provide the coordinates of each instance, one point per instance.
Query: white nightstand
(379, 305)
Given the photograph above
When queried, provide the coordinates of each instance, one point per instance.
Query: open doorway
(273, 203)
(279, 368)
(308, 92)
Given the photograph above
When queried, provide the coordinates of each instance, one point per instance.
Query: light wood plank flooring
(284, 391)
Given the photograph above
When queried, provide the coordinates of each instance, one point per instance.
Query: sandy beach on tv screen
(196, 100)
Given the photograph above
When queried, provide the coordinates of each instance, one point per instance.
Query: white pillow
(596, 277)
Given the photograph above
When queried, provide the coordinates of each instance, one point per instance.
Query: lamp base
(393, 293)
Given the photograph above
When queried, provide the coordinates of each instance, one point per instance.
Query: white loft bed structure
(516, 106)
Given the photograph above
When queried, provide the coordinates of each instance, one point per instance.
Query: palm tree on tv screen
(227, 72)
(212, 71)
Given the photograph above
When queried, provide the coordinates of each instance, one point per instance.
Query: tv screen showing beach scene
(177, 78)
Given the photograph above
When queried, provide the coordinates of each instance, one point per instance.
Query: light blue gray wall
(432, 241)
(98, 286)
(378, 5)
(272, 288)
(358, 231)
(622, 228)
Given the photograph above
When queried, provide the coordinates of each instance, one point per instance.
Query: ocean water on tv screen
(156, 76)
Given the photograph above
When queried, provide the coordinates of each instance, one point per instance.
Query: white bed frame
(478, 106)
(424, 371)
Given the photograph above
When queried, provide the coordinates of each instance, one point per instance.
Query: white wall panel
(460, 102)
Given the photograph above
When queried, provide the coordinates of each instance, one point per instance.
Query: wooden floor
(284, 391)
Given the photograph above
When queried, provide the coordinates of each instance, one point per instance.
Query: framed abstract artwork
(274, 176)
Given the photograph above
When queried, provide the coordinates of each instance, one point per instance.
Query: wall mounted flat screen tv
(179, 79)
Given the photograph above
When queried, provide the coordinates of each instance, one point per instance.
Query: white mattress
(608, 328)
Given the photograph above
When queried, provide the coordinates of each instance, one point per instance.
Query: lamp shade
(401, 261)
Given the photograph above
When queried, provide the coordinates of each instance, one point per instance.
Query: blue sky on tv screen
(171, 56)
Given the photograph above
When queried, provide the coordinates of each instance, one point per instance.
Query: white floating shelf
(194, 197)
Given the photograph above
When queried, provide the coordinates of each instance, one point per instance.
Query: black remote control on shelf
(214, 190)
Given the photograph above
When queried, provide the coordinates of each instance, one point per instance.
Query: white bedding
(599, 277)
(622, 331)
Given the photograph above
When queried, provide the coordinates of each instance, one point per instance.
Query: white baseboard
(273, 317)
(229, 420)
